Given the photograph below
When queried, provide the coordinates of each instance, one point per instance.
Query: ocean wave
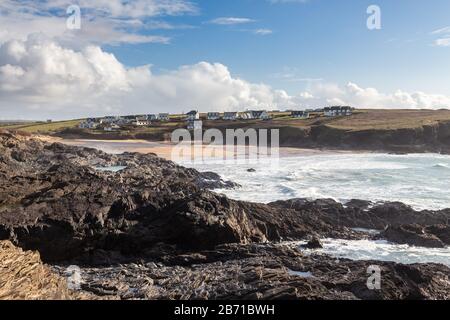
(373, 177)
(441, 166)
(383, 251)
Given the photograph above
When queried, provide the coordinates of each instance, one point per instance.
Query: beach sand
(173, 152)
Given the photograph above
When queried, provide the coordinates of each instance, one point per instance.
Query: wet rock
(264, 272)
(414, 235)
(314, 243)
(55, 201)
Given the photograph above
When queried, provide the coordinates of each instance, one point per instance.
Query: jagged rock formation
(24, 276)
(261, 272)
(55, 199)
(432, 237)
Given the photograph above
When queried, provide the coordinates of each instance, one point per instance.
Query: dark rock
(211, 180)
(251, 170)
(242, 272)
(314, 243)
(414, 235)
(155, 232)
(54, 201)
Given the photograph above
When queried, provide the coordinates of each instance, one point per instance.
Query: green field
(361, 120)
(42, 127)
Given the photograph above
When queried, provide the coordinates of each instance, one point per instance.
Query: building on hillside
(230, 116)
(109, 119)
(300, 114)
(213, 116)
(246, 115)
(195, 125)
(264, 115)
(141, 122)
(338, 111)
(163, 117)
(112, 127)
(88, 124)
(192, 115)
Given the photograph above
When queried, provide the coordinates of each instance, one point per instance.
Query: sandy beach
(172, 151)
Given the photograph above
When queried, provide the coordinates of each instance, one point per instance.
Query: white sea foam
(420, 180)
(111, 169)
(382, 251)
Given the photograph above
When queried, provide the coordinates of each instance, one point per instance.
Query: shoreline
(172, 233)
(164, 149)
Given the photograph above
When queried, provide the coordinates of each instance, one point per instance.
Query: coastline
(159, 228)
(164, 149)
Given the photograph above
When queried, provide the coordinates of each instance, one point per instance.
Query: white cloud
(443, 35)
(39, 78)
(102, 21)
(321, 94)
(263, 32)
(231, 21)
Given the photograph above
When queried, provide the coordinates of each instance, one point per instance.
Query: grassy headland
(393, 130)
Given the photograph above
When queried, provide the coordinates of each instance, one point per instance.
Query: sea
(419, 180)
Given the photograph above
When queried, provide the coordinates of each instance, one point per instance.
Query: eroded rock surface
(144, 227)
(24, 276)
(261, 272)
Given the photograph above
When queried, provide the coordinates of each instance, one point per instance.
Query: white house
(213, 116)
(109, 119)
(230, 116)
(192, 115)
(300, 114)
(195, 125)
(264, 115)
(112, 127)
(141, 122)
(338, 111)
(247, 115)
(163, 117)
(88, 125)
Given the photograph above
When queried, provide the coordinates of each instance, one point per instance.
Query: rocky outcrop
(417, 235)
(263, 272)
(314, 243)
(365, 214)
(56, 200)
(154, 230)
(23, 276)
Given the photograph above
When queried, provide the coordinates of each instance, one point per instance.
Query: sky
(149, 56)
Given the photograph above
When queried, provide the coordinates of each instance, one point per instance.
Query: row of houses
(338, 111)
(246, 115)
(111, 123)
